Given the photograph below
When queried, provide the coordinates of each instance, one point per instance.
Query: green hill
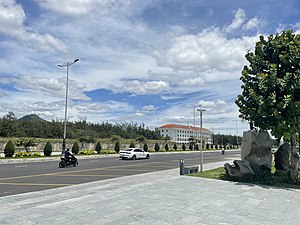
(32, 118)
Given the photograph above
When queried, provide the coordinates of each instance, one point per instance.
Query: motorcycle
(66, 162)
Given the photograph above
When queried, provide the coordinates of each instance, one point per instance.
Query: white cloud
(12, 17)
(81, 7)
(238, 21)
(253, 23)
(194, 81)
(209, 50)
(142, 87)
(148, 108)
(54, 87)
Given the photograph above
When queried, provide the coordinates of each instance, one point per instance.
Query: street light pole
(201, 148)
(236, 129)
(67, 64)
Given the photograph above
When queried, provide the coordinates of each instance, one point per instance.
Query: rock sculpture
(255, 151)
(282, 158)
(241, 169)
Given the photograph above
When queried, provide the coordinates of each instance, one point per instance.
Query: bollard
(181, 167)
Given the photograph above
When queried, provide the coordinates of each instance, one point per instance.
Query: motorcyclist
(68, 155)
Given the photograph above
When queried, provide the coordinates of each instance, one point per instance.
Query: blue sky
(147, 61)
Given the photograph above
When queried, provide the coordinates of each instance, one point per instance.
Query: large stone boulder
(256, 149)
(282, 157)
(240, 170)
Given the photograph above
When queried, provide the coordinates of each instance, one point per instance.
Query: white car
(134, 153)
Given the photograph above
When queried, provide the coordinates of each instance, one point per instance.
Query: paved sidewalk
(157, 198)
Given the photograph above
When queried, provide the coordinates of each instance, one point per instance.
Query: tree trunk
(294, 157)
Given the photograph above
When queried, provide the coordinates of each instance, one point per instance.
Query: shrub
(108, 152)
(38, 154)
(162, 150)
(151, 150)
(98, 147)
(166, 147)
(175, 147)
(196, 147)
(207, 146)
(117, 147)
(87, 152)
(145, 147)
(9, 149)
(23, 154)
(183, 147)
(75, 148)
(132, 145)
(156, 147)
(48, 149)
(191, 146)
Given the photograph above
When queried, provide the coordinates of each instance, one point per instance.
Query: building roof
(177, 126)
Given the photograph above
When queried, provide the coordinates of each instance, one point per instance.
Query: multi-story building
(183, 134)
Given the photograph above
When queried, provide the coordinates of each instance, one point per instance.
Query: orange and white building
(182, 134)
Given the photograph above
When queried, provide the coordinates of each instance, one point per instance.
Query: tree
(26, 143)
(183, 147)
(114, 138)
(48, 149)
(271, 91)
(175, 147)
(156, 147)
(98, 147)
(75, 148)
(117, 146)
(191, 146)
(166, 138)
(9, 149)
(141, 139)
(132, 145)
(166, 147)
(270, 98)
(145, 147)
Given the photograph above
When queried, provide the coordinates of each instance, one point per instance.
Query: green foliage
(156, 147)
(145, 147)
(114, 138)
(98, 147)
(48, 149)
(87, 139)
(132, 145)
(175, 147)
(183, 147)
(207, 146)
(75, 148)
(141, 139)
(196, 147)
(26, 143)
(9, 149)
(271, 84)
(117, 147)
(87, 152)
(108, 152)
(35, 127)
(166, 147)
(151, 150)
(166, 138)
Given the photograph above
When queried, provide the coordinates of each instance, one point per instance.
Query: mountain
(32, 117)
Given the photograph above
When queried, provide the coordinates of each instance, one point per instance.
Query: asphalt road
(31, 176)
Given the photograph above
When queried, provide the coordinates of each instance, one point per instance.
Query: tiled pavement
(157, 198)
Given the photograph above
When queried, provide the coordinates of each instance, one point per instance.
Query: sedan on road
(134, 153)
